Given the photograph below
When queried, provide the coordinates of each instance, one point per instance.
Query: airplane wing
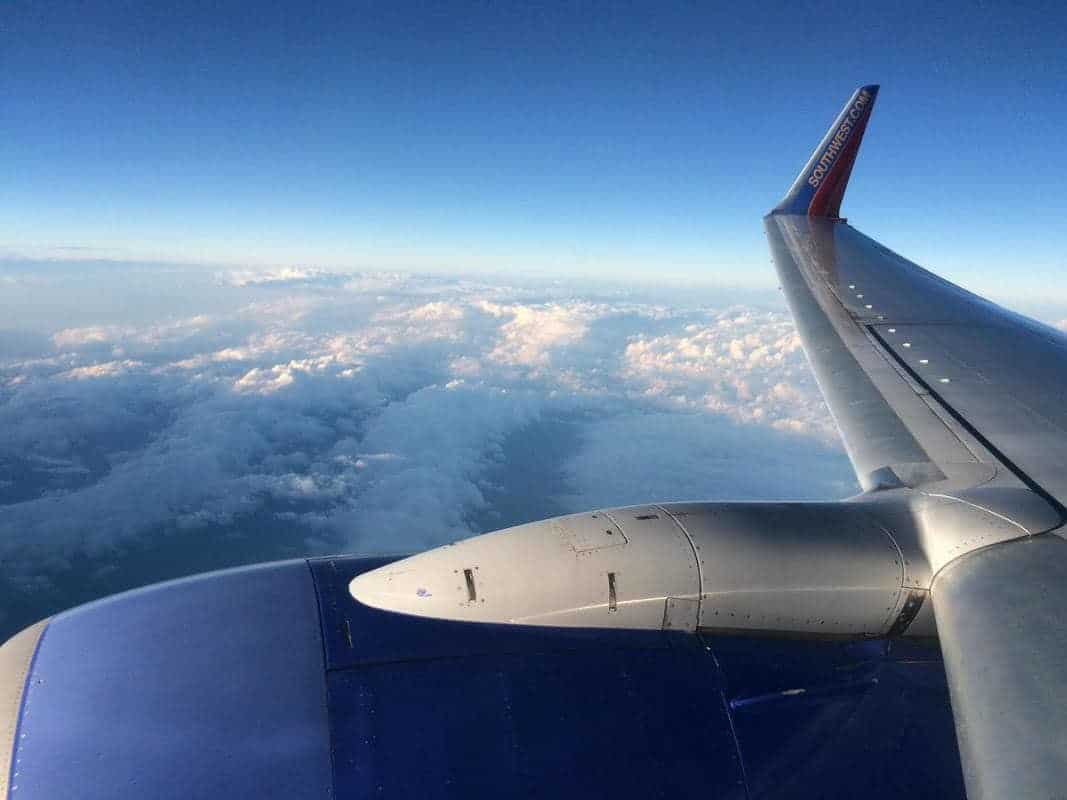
(738, 650)
(937, 391)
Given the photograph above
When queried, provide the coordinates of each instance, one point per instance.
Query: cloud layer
(381, 413)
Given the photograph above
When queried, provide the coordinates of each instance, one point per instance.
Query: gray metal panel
(1000, 618)
(816, 569)
(1008, 381)
(619, 568)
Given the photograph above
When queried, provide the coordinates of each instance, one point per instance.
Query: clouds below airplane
(385, 413)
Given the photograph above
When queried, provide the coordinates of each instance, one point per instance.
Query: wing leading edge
(928, 383)
(936, 392)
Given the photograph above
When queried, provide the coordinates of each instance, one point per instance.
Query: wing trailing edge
(820, 186)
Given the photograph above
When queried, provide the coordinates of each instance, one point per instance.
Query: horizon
(527, 141)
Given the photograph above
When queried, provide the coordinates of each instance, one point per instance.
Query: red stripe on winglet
(826, 202)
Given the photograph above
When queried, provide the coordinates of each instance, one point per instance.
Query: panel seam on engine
(696, 558)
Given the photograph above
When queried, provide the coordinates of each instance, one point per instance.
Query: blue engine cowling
(272, 681)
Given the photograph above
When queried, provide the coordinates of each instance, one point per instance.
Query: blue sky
(631, 140)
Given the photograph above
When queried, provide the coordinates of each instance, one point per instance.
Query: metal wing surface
(935, 389)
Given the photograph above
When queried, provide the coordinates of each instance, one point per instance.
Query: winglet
(819, 187)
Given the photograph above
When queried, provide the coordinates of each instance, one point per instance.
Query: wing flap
(1005, 380)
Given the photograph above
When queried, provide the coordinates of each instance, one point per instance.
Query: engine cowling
(797, 568)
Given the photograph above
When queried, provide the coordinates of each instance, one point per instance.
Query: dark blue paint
(206, 687)
(623, 724)
(872, 717)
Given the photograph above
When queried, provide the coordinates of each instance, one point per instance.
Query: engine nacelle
(823, 569)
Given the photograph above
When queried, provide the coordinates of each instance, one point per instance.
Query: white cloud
(530, 333)
(745, 364)
(94, 334)
(105, 369)
(388, 413)
(242, 278)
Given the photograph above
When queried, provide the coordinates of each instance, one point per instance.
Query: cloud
(293, 276)
(78, 337)
(745, 364)
(106, 369)
(531, 333)
(383, 413)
